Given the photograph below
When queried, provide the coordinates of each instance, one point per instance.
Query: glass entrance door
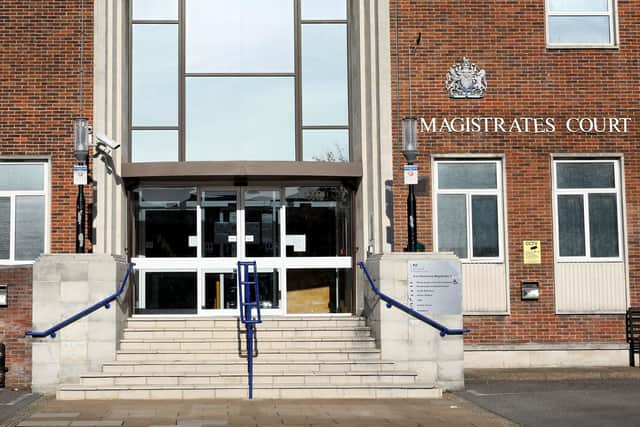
(239, 225)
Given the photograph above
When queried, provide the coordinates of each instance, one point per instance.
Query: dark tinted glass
(262, 223)
(170, 293)
(5, 227)
(220, 291)
(318, 221)
(165, 221)
(484, 211)
(571, 225)
(603, 225)
(586, 175)
(219, 224)
(319, 290)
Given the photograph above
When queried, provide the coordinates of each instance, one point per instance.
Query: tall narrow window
(23, 206)
(588, 220)
(581, 23)
(469, 209)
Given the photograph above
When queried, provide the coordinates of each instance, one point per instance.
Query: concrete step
(263, 332)
(299, 322)
(233, 344)
(290, 391)
(240, 366)
(262, 355)
(373, 378)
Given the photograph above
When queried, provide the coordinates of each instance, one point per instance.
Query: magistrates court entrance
(187, 241)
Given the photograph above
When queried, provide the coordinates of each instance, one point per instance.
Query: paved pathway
(450, 411)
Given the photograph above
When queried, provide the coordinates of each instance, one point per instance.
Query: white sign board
(410, 174)
(80, 173)
(435, 286)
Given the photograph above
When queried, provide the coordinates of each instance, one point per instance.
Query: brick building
(272, 132)
(526, 163)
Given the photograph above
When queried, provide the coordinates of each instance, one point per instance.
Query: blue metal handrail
(106, 303)
(249, 292)
(394, 303)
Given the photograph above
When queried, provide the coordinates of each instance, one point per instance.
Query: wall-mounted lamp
(4, 295)
(530, 291)
(410, 152)
(81, 139)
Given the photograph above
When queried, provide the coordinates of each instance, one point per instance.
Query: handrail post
(249, 298)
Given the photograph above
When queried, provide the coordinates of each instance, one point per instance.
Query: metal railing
(106, 303)
(249, 300)
(394, 303)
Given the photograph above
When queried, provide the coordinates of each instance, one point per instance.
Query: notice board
(435, 286)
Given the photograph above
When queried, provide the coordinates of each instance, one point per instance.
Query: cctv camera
(107, 142)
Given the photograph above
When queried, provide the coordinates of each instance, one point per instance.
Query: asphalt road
(560, 403)
(11, 402)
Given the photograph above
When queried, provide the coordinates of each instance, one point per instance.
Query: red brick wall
(525, 79)
(39, 95)
(15, 320)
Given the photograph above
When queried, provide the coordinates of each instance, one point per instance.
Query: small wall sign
(80, 173)
(532, 252)
(435, 286)
(410, 174)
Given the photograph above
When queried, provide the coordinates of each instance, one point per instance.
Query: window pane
(330, 145)
(219, 224)
(467, 176)
(484, 215)
(586, 175)
(155, 9)
(170, 293)
(29, 227)
(255, 115)
(322, 290)
(324, 9)
(318, 221)
(240, 36)
(262, 223)
(603, 225)
(155, 75)
(571, 225)
(154, 146)
(579, 30)
(5, 227)
(165, 222)
(220, 291)
(325, 99)
(578, 5)
(21, 177)
(452, 224)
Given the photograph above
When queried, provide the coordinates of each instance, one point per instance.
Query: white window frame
(612, 14)
(12, 205)
(469, 193)
(584, 192)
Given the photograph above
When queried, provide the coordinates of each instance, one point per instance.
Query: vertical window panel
(571, 232)
(452, 224)
(155, 75)
(154, 146)
(326, 145)
(5, 227)
(219, 225)
(325, 99)
(240, 118)
(603, 225)
(29, 227)
(485, 235)
(239, 36)
(262, 223)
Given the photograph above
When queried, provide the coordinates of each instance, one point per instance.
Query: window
(266, 77)
(587, 204)
(23, 204)
(469, 209)
(581, 23)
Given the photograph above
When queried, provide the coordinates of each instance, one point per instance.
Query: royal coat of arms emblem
(466, 80)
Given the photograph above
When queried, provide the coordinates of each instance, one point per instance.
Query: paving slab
(450, 411)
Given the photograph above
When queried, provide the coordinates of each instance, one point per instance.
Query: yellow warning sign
(532, 252)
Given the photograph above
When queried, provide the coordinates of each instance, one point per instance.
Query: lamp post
(81, 152)
(410, 153)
